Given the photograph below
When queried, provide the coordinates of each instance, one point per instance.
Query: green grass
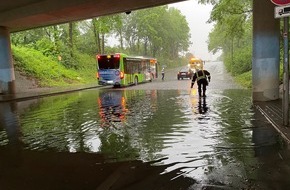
(48, 71)
(245, 79)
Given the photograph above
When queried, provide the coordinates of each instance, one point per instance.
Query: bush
(240, 62)
(47, 47)
(50, 73)
(245, 79)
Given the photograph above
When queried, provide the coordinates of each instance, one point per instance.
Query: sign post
(285, 100)
(282, 10)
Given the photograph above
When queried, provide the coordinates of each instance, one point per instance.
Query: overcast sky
(197, 16)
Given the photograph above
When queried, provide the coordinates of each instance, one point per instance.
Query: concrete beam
(18, 15)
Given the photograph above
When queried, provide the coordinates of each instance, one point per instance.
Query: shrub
(45, 69)
(245, 79)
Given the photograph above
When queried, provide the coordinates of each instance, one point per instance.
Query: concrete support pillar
(266, 52)
(7, 76)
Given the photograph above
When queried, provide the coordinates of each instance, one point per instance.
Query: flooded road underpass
(140, 139)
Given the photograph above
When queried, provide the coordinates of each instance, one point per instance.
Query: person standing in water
(203, 78)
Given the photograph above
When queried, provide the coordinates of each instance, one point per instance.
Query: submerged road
(152, 136)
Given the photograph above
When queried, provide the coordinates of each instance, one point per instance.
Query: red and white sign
(281, 2)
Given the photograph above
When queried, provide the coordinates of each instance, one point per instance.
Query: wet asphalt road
(220, 80)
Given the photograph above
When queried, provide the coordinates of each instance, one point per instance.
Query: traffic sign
(281, 2)
(282, 11)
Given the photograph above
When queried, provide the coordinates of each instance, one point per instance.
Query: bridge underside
(17, 15)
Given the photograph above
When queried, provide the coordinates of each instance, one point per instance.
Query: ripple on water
(197, 137)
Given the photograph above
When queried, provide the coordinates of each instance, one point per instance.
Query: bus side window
(126, 69)
(136, 68)
(130, 67)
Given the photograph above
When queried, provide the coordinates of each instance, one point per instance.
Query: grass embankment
(245, 79)
(50, 72)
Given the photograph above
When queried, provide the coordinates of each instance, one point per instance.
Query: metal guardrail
(272, 111)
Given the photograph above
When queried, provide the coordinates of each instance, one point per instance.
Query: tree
(103, 26)
(157, 31)
(232, 32)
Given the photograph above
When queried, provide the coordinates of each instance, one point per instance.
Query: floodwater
(135, 139)
(139, 139)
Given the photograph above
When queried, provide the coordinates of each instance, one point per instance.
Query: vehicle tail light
(117, 57)
(121, 75)
(97, 75)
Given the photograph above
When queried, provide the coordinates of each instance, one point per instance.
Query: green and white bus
(122, 70)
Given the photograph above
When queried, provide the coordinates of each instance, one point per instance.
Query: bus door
(153, 68)
(129, 67)
(147, 70)
(129, 78)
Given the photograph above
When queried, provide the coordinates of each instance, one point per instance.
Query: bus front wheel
(135, 81)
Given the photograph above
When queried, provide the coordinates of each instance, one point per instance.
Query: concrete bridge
(18, 15)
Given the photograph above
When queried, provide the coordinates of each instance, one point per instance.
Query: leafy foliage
(240, 61)
(232, 33)
(46, 46)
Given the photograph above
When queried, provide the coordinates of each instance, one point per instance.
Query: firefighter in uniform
(203, 78)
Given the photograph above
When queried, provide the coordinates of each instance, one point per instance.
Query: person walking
(203, 78)
(163, 73)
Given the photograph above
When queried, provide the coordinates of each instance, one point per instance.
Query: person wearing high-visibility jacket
(203, 78)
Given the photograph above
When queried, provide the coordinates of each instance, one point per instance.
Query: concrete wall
(266, 49)
(7, 78)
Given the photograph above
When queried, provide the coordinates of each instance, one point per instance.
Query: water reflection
(9, 124)
(112, 105)
(142, 139)
(202, 106)
(10, 139)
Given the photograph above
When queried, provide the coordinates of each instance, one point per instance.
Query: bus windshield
(108, 62)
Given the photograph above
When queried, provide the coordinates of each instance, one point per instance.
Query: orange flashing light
(121, 75)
